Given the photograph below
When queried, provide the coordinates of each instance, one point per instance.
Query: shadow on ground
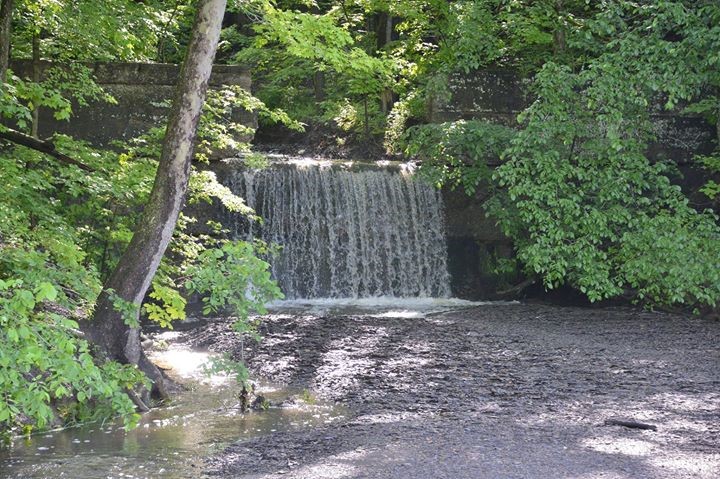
(501, 391)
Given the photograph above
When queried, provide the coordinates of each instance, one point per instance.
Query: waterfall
(346, 234)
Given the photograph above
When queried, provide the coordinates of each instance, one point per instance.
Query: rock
(259, 403)
(631, 424)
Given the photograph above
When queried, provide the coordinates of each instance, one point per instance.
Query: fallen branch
(630, 424)
(46, 147)
(517, 288)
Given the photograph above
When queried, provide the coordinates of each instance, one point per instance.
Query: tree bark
(6, 8)
(134, 273)
(36, 78)
(559, 42)
(319, 86)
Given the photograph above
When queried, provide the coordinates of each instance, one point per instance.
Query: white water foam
(379, 306)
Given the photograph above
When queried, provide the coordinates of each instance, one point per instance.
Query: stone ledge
(144, 73)
(500, 95)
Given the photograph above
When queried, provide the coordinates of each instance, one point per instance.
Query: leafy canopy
(576, 192)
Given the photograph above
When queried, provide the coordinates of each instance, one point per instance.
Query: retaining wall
(142, 91)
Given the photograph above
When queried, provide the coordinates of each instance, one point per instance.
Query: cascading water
(346, 234)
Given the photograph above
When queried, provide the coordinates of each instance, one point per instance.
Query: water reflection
(170, 442)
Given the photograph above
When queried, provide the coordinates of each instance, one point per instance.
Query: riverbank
(519, 391)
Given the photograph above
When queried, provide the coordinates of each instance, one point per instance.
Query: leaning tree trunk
(133, 274)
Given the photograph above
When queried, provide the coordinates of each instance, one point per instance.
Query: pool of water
(170, 442)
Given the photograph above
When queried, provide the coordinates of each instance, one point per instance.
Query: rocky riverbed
(497, 391)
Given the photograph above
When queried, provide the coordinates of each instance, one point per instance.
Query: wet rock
(260, 403)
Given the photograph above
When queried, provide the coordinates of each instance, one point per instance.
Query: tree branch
(46, 147)
(513, 290)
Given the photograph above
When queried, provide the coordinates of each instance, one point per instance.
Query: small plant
(225, 364)
(308, 397)
(233, 279)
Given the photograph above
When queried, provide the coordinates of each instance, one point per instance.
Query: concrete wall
(499, 95)
(140, 90)
(474, 242)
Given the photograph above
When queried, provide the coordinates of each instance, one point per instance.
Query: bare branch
(46, 147)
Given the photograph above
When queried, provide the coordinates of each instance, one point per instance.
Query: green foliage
(12, 101)
(232, 278)
(673, 259)
(712, 164)
(46, 369)
(127, 309)
(66, 228)
(205, 187)
(589, 209)
(438, 38)
(397, 122)
(290, 46)
(227, 365)
(218, 130)
(576, 193)
(39, 238)
(457, 153)
(55, 221)
(62, 229)
(256, 161)
(86, 30)
(171, 307)
(60, 87)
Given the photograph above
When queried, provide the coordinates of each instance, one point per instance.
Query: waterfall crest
(346, 234)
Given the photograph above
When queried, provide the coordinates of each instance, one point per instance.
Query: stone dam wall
(143, 92)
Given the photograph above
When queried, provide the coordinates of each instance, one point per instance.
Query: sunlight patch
(616, 445)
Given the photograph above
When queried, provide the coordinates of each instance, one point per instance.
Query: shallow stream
(173, 441)
(170, 442)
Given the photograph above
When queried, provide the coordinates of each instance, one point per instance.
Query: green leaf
(45, 291)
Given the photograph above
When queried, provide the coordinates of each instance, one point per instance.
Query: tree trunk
(367, 118)
(6, 7)
(134, 273)
(559, 42)
(319, 86)
(36, 79)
